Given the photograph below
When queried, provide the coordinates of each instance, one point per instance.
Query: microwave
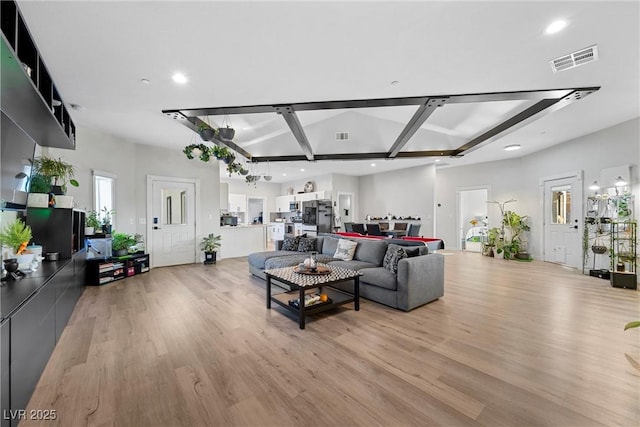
(228, 220)
(294, 206)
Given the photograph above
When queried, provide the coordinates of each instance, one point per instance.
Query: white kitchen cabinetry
(237, 202)
(276, 231)
(224, 196)
(282, 203)
(315, 195)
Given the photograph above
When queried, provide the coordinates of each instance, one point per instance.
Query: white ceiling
(250, 53)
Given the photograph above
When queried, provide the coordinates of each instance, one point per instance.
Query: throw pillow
(412, 251)
(290, 243)
(393, 256)
(307, 244)
(345, 250)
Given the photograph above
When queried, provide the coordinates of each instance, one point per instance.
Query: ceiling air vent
(342, 136)
(574, 59)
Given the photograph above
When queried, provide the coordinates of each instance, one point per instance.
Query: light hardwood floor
(509, 344)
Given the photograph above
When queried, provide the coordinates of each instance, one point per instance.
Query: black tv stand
(101, 271)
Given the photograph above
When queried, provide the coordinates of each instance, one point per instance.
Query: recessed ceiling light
(145, 81)
(301, 169)
(284, 174)
(373, 165)
(179, 78)
(395, 82)
(556, 26)
(76, 107)
(512, 147)
(437, 160)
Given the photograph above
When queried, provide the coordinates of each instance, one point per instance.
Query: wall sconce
(594, 186)
(620, 182)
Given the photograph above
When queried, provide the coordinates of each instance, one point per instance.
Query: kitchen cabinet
(283, 202)
(237, 202)
(276, 231)
(224, 196)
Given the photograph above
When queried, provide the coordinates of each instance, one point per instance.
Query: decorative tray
(320, 271)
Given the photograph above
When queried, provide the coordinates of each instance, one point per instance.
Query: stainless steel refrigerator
(317, 214)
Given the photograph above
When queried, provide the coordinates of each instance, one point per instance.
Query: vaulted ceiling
(283, 53)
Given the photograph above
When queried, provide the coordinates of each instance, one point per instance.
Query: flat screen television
(16, 154)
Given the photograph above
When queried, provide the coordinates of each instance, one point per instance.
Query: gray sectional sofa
(419, 278)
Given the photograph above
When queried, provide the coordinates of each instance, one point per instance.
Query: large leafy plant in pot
(120, 243)
(58, 172)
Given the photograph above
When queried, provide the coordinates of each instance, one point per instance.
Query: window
(561, 204)
(104, 193)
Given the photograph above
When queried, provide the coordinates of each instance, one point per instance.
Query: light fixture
(394, 83)
(512, 147)
(301, 169)
(284, 174)
(556, 26)
(146, 81)
(437, 160)
(180, 78)
(620, 182)
(373, 165)
(594, 186)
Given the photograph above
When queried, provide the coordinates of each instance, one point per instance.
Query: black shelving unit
(28, 91)
(103, 271)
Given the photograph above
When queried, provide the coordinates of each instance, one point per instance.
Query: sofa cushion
(371, 251)
(394, 254)
(307, 244)
(329, 245)
(291, 260)
(258, 259)
(290, 243)
(345, 250)
(352, 265)
(381, 277)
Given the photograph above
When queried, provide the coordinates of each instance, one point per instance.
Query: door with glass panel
(562, 221)
(173, 222)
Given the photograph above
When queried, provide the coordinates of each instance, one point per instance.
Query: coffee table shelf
(301, 284)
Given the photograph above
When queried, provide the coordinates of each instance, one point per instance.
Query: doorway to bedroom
(472, 218)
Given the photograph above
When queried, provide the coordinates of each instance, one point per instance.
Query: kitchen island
(242, 240)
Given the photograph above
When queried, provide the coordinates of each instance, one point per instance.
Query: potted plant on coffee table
(210, 246)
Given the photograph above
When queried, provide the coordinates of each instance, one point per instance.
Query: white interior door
(562, 214)
(173, 225)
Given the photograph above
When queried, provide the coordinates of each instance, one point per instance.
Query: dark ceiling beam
(357, 156)
(532, 113)
(289, 116)
(419, 117)
(381, 102)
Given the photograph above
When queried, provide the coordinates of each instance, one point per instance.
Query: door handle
(573, 226)
(156, 228)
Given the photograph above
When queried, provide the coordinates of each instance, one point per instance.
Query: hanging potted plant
(226, 132)
(210, 246)
(206, 132)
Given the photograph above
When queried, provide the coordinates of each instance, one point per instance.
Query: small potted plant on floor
(210, 246)
(120, 243)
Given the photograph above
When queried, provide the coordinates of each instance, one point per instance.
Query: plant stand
(624, 241)
(210, 257)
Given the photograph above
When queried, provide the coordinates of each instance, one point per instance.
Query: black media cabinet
(102, 271)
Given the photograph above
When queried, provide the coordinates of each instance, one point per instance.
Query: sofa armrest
(420, 280)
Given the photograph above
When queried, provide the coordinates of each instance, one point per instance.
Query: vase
(11, 265)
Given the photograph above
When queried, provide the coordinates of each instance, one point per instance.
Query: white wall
(405, 192)
(520, 178)
(131, 163)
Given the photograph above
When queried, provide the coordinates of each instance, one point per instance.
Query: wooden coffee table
(301, 283)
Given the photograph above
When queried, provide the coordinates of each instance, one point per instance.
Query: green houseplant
(492, 238)
(210, 245)
(120, 243)
(16, 235)
(92, 222)
(106, 214)
(58, 172)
